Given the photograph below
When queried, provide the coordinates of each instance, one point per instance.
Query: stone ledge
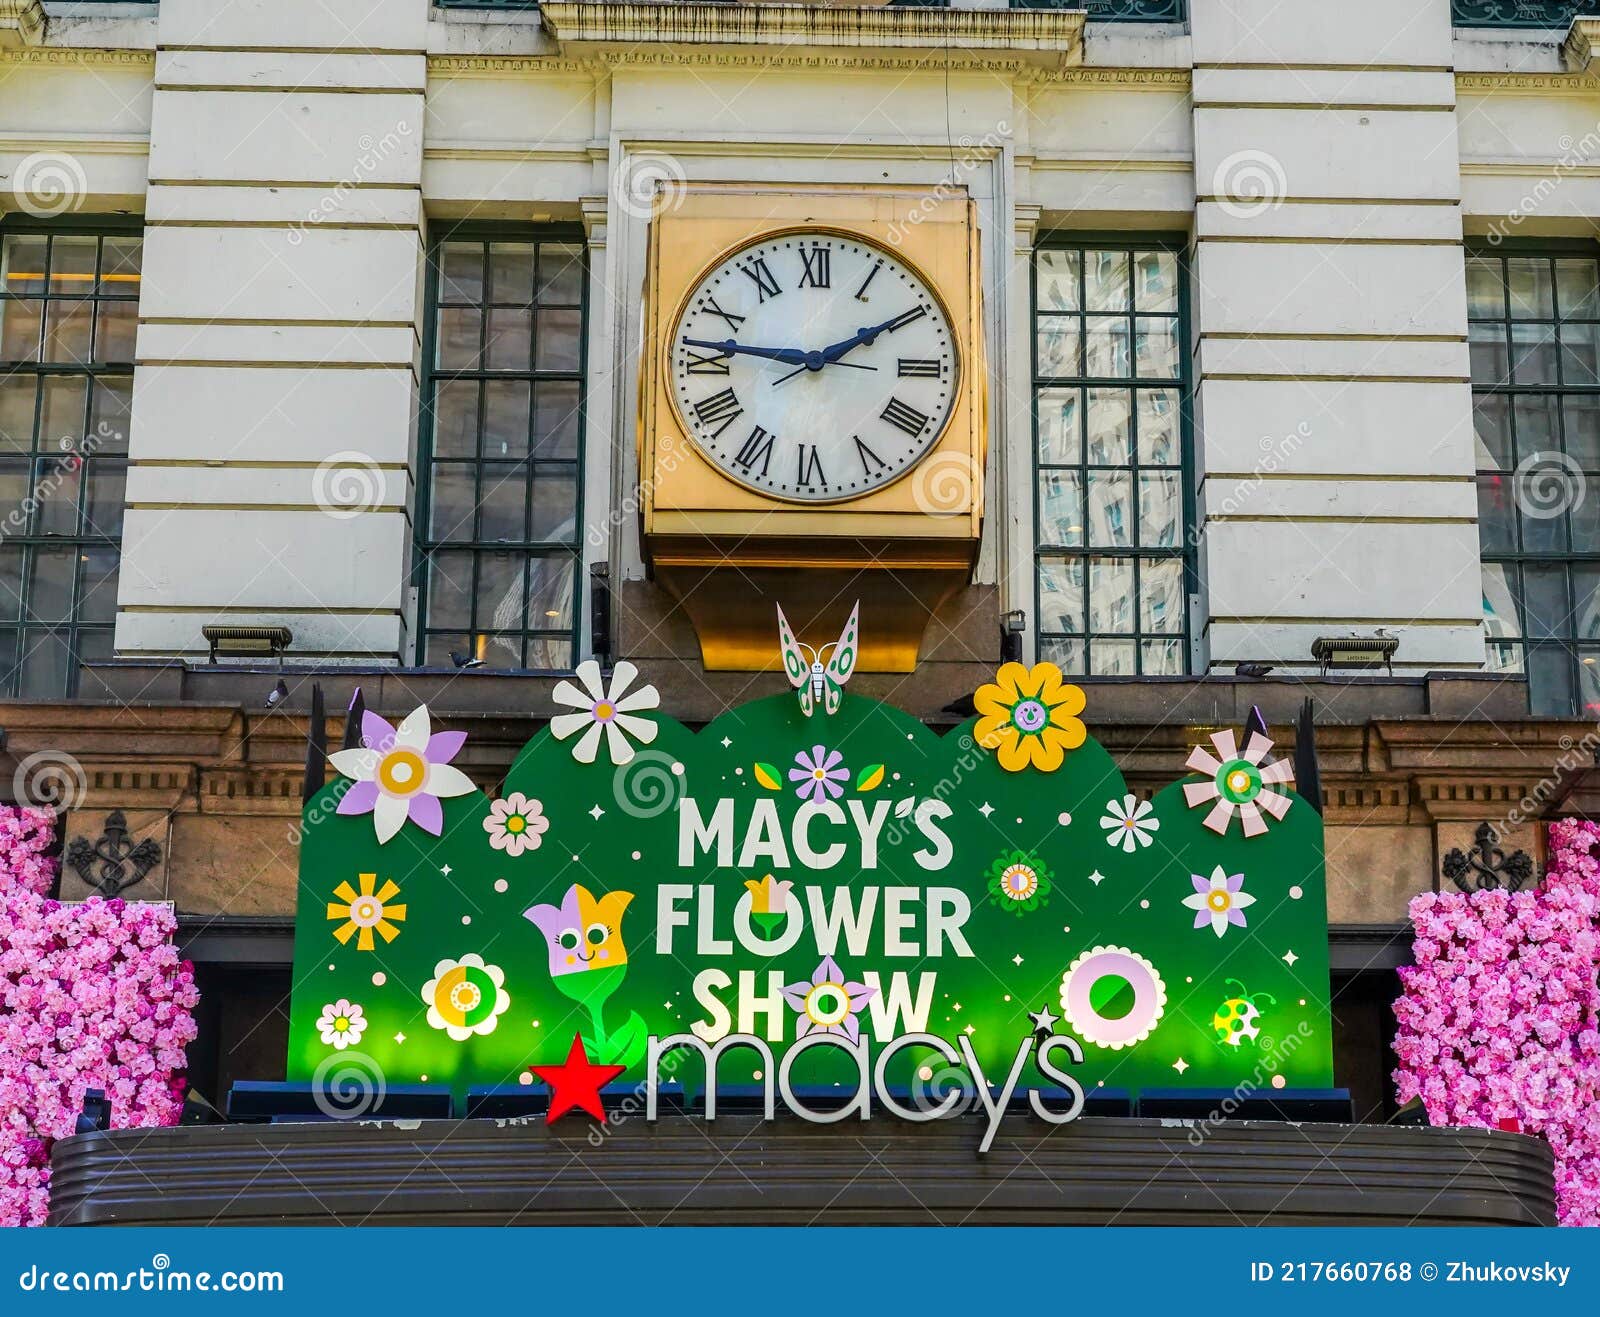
(21, 23)
(1055, 34)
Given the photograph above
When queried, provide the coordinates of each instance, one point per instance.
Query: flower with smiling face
(828, 1003)
(1128, 822)
(611, 713)
(819, 773)
(1219, 900)
(1028, 716)
(341, 1024)
(516, 824)
(584, 932)
(402, 773)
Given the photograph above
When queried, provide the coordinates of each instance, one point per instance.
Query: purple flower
(402, 773)
(827, 1003)
(819, 774)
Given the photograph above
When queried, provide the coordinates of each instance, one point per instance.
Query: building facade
(341, 320)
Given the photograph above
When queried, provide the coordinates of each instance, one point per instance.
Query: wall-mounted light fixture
(1353, 653)
(247, 641)
(1012, 627)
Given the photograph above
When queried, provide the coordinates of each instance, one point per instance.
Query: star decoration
(595, 813)
(1044, 1021)
(986, 809)
(1097, 877)
(399, 1038)
(1290, 959)
(445, 871)
(726, 742)
(1017, 959)
(576, 1082)
(1180, 1065)
(969, 1031)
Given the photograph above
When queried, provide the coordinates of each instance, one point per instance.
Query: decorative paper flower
(828, 1004)
(1220, 900)
(402, 772)
(583, 932)
(1112, 997)
(769, 896)
(1129, 822)
(608, 711)
(819, 774)
(342, 1023)
(516, 824)
(370, 908)
(1238, 782)
(1019, 882)
(465, 997)
(1029, 716)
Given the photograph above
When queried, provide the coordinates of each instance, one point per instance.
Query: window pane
(1113, 658)
(560, 340)
(111, 413)
(68, 330)
(560, 274)
(1110, 596)
(1106, 280)
(46, 665)
(1586, 598)
(502, 514)
(15, 482)
(61, 413)
(505, 418)
(500, 593)
(450, 589)
(10, 582)
(1533, 354)
(1061, 594)
(500, 651)
(1057, 276)
(97, 584)
(555, 500)
(450, 516)
(455, 419)
(1158, 427)
(17, 398)
(1485, 288)
(1550, 681)
(549, 652)
(1161, 603)
(1155, 281)
(1060, 426)
(461, 272)
(120, 263)
(1501, 612)
(556, 416)
(23, 258)
(1584, 520)
(458, 334)
(72, 265)
(19, 330)
(115, 326)
(1577, 292)
(508, 339)
(1487, 349)
(1588, 680)
(1544, 598)
(1491, 419)
(57, 494)
(1161, 658)
(106, 490)
(1538, 424)
(50, 584)
(1528, 279)
(1580, 413)
(1160, 509)
(1068, 655)
(1156, 343)
(1058, 346)
(1580, 354)
(1496, 525)
(1504, 658)
(1060, 508)
(1107, 427)
(1105, 348)
(511, 272)
(1110, 509)
(550, 593)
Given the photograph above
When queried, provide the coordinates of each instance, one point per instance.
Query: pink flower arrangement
(1499, 1020)
(91, 996)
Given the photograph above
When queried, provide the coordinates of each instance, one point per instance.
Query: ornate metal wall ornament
(1486, 867)
(115, 862)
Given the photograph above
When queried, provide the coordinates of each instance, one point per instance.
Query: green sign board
(817, 886)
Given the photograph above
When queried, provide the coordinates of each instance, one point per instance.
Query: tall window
(498, 535)
(1108, 366)
(1535, 345)
(69, 306)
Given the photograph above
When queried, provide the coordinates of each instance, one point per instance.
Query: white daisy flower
(604, 711)
(1128, 822)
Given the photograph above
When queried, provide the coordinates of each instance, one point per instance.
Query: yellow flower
(366, 910)
(1029, 716)
(768, 896)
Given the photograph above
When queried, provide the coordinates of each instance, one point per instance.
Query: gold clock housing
(903, 544)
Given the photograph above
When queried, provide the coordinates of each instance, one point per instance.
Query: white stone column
(1333, 409)
(275, 396)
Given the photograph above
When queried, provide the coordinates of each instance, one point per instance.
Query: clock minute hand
(834, 351)
(727, 347)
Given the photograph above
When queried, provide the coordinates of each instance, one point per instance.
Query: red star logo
(576, 1083)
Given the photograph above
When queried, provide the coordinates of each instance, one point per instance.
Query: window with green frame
(69, 309)
(1534, 329)
(1110, 498)
(498, 533)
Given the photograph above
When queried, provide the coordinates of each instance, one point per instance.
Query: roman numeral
(871, 275)
(918, 368)
(711, 307)
(867, 455)
(766, 285)
(904, 418)
(710, 363)
(816, 262)
(810, 467)
(758, 445)
(722, 407)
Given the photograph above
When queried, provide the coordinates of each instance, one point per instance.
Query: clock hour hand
(727, 347)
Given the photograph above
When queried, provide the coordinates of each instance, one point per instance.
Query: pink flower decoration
(819, 774)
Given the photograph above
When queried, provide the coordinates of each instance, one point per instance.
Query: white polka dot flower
(341, 1024)
(516, 824)
(1128, 822)
(608, 712)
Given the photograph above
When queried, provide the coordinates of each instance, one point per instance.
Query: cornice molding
(81, 57)
(1549, 84)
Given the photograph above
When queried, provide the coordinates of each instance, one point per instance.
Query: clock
(814, 366)
(812, 423)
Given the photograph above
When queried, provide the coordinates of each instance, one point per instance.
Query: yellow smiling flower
(1029, 716)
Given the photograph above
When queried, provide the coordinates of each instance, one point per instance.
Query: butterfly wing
(795, 667)
(843, 663)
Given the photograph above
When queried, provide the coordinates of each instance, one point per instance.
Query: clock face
(814, 367)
